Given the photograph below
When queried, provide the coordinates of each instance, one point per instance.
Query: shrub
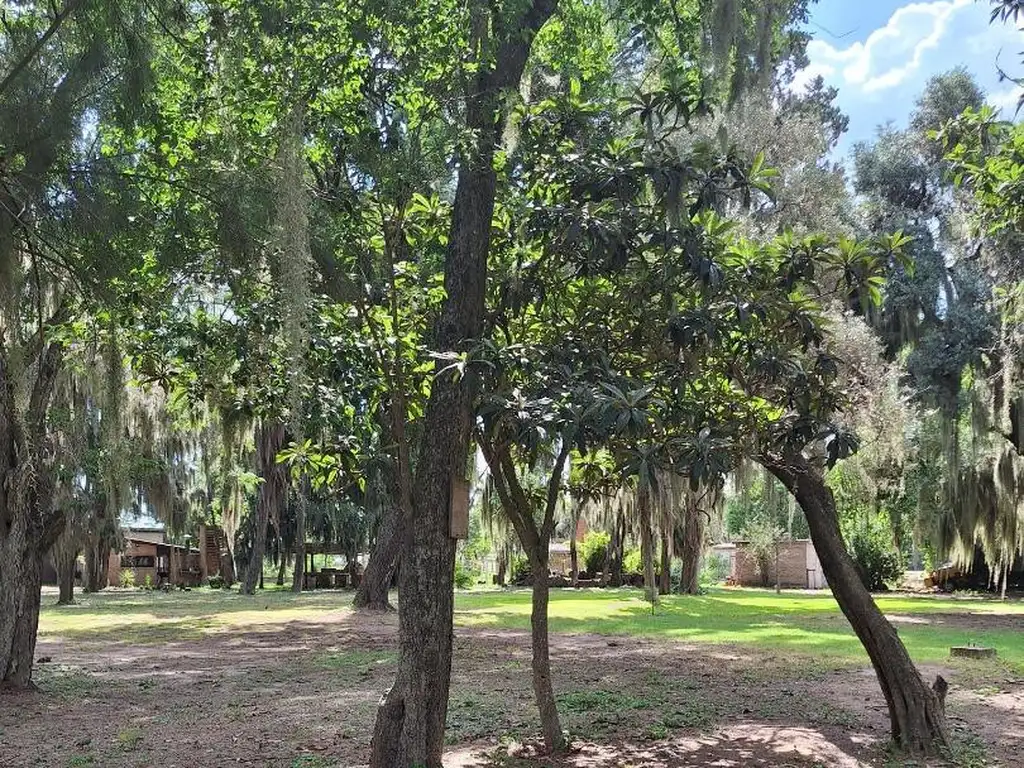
(463, 577)
(633, 561)
(148, 583)
(216, 582)
(520, 570)
(715, 570)
(762, 536)
(879, 565)
(128, 578)
(593, 550)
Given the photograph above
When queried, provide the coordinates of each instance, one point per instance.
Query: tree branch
(55, 25)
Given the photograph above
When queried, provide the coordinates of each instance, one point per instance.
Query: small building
(153, 561)
(798, 565)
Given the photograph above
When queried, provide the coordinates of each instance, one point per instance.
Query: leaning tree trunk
(691, 547)
(550, 725)
(269, 442)
(647, 543)
(411, 717)
(916, 711)
(372, 593)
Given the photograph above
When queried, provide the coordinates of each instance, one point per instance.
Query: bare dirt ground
(302, 695)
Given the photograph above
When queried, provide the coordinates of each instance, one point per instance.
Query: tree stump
(972, 652)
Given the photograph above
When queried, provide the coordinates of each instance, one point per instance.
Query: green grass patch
(799, 623)
(796, 622)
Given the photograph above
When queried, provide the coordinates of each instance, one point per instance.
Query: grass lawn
(736, 676)
(793, 621)
(801, 622)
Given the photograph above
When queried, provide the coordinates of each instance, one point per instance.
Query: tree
(63, 242)
(410, 723)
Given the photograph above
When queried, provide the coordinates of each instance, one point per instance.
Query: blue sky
(880, 53)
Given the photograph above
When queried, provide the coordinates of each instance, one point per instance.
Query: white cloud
(1006, 100)
(894, 52)
(881, 75)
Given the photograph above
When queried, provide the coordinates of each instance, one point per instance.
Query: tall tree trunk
(21, 567)
(574, 561)
(273, 489)
(97, 563)
(299, 573)
(666, 561)
(411, 718)
(647, 542)
(691, 546)
(615, 554)
(64, 563)
(550, 725)
(372, 593)
(282, 561)
(916, 711)
(502, 565)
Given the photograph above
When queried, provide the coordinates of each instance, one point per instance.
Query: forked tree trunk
(550, 724)
(269, 442)
(916, 711)
(411, 718)
(372, 593)
(647, 543)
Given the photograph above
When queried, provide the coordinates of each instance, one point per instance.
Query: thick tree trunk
(29, 521)
(647, 543)
(64, 563)
(97, 563)
(691, 547)
(615, 554)
(502, 566)
(550, 725)
(916, 711)
(21, 566)
(411, 719)
(372, 593)
(269, 442)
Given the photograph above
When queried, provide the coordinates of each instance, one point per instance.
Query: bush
(715, 570)
(593, 551)
(633, 562)
(216, 582)
(128, 578)
(879, 565)
(520, 570)
(463, 577)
